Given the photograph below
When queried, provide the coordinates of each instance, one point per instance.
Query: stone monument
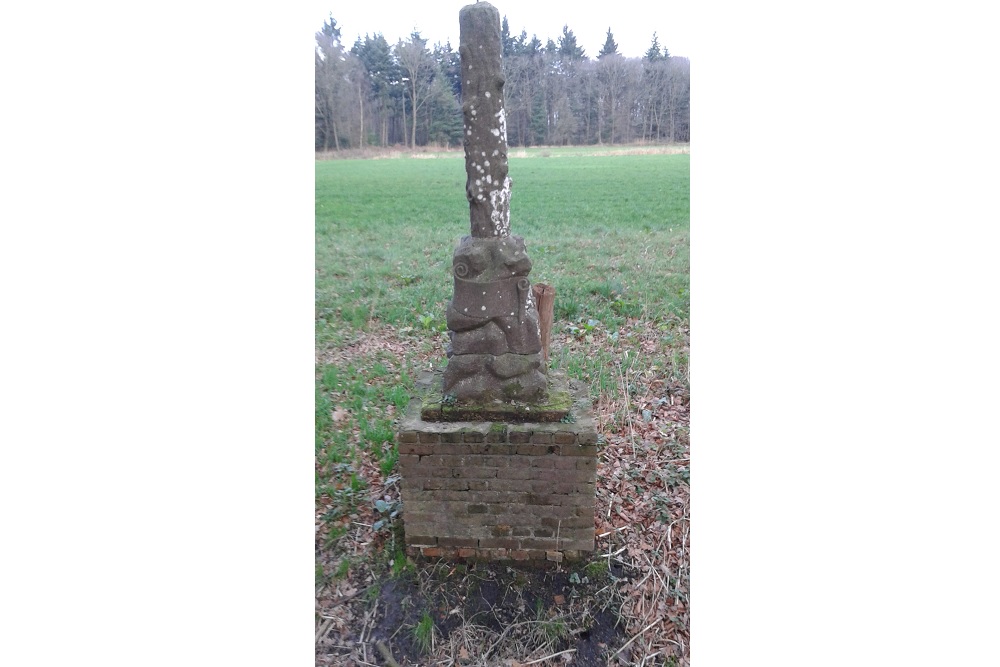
(495, 350)
(498, 456)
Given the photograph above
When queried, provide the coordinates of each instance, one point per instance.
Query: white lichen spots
(487, 92)
(473, 112)
(500, 208)
(468, 83)
(484, 155)
(487, 163)
(484, 293)
(465, 309)
(495, 153)
(479, 182)
(502, 115)
(489, 177)
(496, 132)
(484, 308)
(512, 315)
(469, 132)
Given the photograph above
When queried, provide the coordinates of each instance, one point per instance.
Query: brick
(554, 556)
(421, 540)
(564, 438)
(500, 530)
(476, 509)
(416, 449)
(541, 438)
(434, 483)
(563, 463)
(500, 449)
(519, 554)
(530, 450)
(474, 473)
(537, 543)
(536, 554)
(457, 541)
(432, 438)
(587, 438)
(499, 543)
(578, 450)
(451, 438)
(551, 487)
(543, 532)
(497, 433)
(515, 473)
(541, 498)
(580, 544)
(407, 437)
(518, 437)
(467, 553)
(472, 436)
(448, 495)
(494, 554)
(520, 531)
(431, 552)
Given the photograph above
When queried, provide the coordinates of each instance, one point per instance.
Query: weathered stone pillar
(495, 350)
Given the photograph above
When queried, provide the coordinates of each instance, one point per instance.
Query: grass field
(611, 233)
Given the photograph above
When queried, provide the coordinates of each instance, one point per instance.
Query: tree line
(381, 94)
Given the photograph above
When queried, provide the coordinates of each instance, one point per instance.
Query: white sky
(632, 22)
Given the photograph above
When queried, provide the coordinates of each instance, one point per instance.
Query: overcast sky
(632, 22)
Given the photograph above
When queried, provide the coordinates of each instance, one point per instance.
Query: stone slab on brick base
(498, 490)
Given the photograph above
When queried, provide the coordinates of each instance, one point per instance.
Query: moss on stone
(555, 407)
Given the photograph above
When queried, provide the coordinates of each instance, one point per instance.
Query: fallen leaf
(560, 599)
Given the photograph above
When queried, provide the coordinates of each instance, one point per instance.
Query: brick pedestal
(518, 491)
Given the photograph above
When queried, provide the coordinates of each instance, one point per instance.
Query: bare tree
(418, 67)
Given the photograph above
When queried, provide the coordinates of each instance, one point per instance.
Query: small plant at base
(399, 563)
(388, 510)
(423, 632)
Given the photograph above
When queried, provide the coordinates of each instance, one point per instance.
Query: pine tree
(610, 47)
(653, 53)
(568, 48)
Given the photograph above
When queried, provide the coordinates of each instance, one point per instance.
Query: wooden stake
(545, 296)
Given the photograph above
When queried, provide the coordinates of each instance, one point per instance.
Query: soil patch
(488, 613)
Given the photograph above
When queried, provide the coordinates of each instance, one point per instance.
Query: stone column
(495, 350)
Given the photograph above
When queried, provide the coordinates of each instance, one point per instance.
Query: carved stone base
(437, 405)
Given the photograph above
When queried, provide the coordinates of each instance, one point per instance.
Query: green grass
(423, 632)
(609, 232)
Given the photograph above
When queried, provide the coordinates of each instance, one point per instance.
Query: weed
(596, 570)
(423, 633)
(400, 563)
